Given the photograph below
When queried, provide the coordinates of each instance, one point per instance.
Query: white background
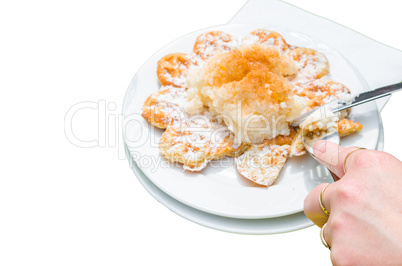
(65, 205)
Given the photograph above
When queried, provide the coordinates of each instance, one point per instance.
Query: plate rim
(256, 25)
(186, 211)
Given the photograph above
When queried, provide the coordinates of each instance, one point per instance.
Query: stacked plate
(218, 197)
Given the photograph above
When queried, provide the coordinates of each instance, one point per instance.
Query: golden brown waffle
(172, 69)
(347, 127)
(262, 163)
(267, 37)
(210, 43)
(197, 141)
(310, 64)
(297, 147)
(164, 107)
(320, 92)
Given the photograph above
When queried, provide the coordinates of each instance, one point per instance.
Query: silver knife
(358, 99)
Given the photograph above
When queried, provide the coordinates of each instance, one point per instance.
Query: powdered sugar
(209, 44)
(263, 163)
(178, 81)
(197, 141)
(167, 104)
(204, 131)
(173, 95)
(250, 39)
(265, 37)
(310, 66)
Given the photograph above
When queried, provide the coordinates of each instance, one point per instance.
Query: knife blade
(357, 99)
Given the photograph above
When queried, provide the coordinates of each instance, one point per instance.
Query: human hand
(365, 222)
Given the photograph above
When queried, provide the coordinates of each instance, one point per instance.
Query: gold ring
(347, 156)
(321, 202)
(324, 242)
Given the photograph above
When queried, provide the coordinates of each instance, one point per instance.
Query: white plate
(242, 226)
(221, 190)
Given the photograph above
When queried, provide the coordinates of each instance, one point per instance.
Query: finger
(312, 207)
(331, 155)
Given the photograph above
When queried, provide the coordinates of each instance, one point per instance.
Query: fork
(309, 144)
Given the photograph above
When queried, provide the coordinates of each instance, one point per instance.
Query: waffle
(164, 107)
(267, 37)
(321, 91)
(347, 127)
(172, 69)
(310, 63)
(297, 147)
(263, 163)
(210, 43)
(197, 141)
(221, 65)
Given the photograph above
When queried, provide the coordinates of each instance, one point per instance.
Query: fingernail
(320, 146)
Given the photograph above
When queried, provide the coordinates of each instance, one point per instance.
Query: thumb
(331, 155)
